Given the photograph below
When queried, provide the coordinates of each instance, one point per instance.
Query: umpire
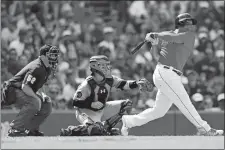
(26, 92)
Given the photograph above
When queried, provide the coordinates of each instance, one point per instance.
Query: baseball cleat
(124, 129)
(65, 132)
(35, 133)
(15, 132)
(115, 131)
(211, 132)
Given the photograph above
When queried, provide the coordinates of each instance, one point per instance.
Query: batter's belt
(179, 73)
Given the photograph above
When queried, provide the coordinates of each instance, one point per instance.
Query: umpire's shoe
(14, 132)
(211, 132)
(35, 133)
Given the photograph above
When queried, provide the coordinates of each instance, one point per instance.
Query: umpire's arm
(29, 91)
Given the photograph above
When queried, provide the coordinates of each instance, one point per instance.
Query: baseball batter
(176, 47)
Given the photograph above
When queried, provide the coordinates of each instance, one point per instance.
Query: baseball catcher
(91, 100)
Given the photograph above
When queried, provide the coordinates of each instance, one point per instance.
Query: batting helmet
(182, 19)
(101, 65)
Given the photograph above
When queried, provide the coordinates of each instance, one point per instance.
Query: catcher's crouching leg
(111, 122)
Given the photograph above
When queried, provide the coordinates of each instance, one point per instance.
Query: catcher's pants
(111, 108)
(170, 90)
(32, 113)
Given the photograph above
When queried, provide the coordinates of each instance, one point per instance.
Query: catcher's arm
(142, 85)
(82, 98)
(122, 84)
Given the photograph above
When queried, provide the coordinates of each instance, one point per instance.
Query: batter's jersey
(34, 74)
(176, 48)
(89, 90)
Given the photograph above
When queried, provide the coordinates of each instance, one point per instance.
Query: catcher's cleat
(15, 133)
(65, 132)
(115, 131)
(124, 129)
(211, 132)
(35, 133)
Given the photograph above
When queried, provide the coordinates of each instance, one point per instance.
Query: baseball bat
(137, 48)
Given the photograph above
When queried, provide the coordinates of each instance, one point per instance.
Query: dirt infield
(116, 142)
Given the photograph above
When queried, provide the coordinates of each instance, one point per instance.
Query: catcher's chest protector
(100, 92)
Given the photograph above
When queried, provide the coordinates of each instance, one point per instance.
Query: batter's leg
(161, 107)
(174, 89)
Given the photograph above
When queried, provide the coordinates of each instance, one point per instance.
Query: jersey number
(31, 79)
(102, 94)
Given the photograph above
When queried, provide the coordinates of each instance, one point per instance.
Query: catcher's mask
(184, 19)
(101, 65)
(52, 54)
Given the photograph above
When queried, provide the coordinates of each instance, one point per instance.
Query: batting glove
(151, 37)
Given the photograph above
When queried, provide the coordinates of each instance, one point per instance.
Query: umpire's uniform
(32, 112)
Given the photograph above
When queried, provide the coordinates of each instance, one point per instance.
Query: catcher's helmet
(182, 19)
(101, 65)
(52, 53)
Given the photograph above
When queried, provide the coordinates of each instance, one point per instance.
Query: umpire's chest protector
(100, 92)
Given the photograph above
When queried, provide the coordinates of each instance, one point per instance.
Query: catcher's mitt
(145, 85)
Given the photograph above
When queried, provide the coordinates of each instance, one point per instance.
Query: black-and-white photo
(112, 74)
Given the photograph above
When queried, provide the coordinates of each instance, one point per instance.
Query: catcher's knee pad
(125, 106)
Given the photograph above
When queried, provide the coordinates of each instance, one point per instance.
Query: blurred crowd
(80, 32)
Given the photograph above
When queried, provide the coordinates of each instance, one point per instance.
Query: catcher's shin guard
(111, 122)
(80, 130)
(90, 129)
(125, 106)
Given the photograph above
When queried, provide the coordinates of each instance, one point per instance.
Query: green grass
(115, 142)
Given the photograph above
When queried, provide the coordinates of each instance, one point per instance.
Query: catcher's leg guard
(80, 130)
(84, 130)
(125, 106)
(96, 128)
(111, 122)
